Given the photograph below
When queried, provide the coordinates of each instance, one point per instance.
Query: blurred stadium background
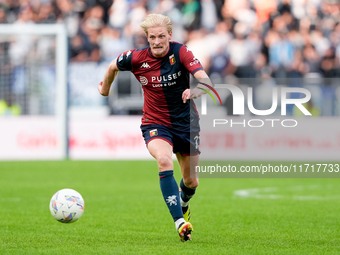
(259, 43)
(53, 53)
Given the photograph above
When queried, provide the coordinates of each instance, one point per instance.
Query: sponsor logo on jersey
(168, 77)
(145, 65)
(194, 62)
(120, 58)
(143, 80)
(122, 55)
(172, 59)
(153, 132)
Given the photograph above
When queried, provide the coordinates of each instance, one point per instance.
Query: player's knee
(191, 183)
(164, 163)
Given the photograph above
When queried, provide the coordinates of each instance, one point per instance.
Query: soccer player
(170, 122)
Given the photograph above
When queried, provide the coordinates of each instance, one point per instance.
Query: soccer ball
(67, 205)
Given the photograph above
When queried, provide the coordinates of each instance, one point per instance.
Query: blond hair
(155, 20)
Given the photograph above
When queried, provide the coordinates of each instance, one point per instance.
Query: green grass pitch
(125, 212)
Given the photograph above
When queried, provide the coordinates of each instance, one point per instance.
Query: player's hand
(103, 91)
(191, 93)
(186, 95)
(100, 85)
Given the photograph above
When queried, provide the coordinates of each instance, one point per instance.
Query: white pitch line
(334, 197)
(269, 193)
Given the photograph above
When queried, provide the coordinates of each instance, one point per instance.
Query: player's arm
(202, 78)
(110, 74)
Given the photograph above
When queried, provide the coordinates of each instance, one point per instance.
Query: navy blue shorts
(186, 143)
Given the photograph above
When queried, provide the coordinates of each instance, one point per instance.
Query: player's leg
(188, 165)
(189, 182)
(161, 150)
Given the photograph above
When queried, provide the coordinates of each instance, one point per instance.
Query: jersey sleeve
(187, 58)
(124, 61)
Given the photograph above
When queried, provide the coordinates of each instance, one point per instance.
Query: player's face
(158, 38)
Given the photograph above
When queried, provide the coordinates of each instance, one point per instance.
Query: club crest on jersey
(153, 132)
(172, 59)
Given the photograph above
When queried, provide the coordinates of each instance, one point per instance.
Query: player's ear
(170, 35)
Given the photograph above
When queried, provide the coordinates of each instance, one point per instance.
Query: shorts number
(196, 141)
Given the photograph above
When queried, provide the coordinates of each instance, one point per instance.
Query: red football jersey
(163, 81)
